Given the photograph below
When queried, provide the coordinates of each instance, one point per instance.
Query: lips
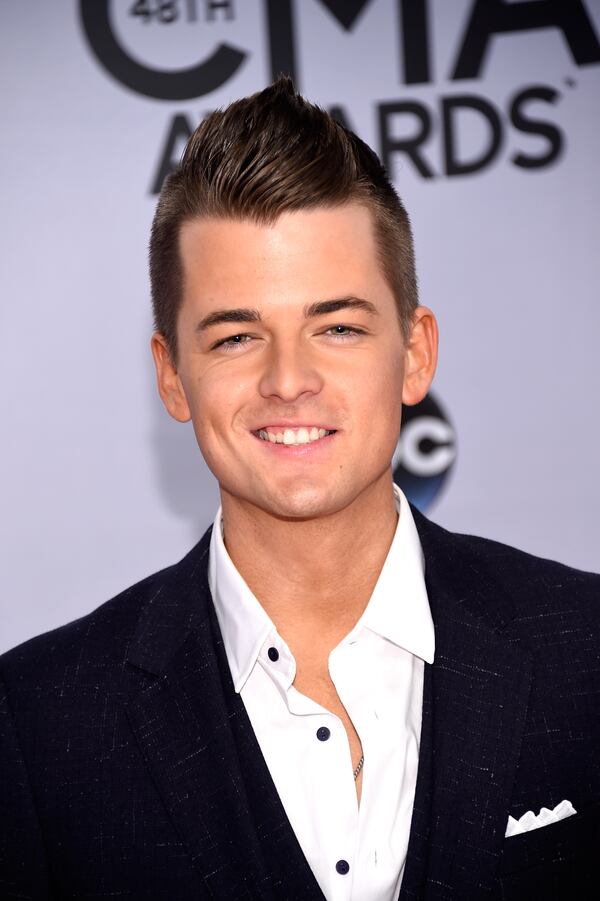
(292, 436)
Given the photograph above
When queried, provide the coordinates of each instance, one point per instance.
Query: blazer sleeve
(23, 866)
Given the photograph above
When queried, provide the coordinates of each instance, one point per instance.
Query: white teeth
(293, 437)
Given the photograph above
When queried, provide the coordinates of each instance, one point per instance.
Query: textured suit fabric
(129, 767)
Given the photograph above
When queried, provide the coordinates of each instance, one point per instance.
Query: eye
(343, 332)
(232, 343)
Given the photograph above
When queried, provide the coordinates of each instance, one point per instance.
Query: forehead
(303, 256)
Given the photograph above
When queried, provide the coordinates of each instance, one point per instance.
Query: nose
(289, 373)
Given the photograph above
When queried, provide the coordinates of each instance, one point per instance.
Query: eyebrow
(241, 314)
(320, 308)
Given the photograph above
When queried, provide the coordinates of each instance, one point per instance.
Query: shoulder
(98, 641)
(516, 591)
(516, 568)
(507, 563)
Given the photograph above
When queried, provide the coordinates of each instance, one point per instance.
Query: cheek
(382, 382)
(382, 403)
(216, 398)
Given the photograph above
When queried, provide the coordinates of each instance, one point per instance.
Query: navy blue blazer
(129, 768)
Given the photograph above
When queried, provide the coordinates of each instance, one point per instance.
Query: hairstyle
(263, 155)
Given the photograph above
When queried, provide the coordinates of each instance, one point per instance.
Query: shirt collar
(398, 609)
(244, 623)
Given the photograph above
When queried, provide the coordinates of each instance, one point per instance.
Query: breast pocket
(560, 861)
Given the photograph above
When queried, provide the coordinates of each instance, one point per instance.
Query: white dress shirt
(357, 853)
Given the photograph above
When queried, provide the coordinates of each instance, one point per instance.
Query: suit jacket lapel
(195, 734)
(475, 704)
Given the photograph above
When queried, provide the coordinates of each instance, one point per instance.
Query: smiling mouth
(293, 437)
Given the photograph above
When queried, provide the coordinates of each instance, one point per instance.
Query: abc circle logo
(425, 452)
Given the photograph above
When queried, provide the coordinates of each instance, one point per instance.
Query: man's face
(291, 359)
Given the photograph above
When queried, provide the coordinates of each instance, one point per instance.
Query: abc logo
(425, 452)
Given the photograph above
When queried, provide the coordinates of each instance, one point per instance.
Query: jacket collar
(175, 609)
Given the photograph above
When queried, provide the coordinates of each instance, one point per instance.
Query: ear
(421, 354)
(169, 383)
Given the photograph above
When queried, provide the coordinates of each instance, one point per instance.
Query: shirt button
(343, 867)
(273, 654)
(323, 733)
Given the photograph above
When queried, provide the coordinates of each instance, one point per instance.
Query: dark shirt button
(273, 654)
(323, 733)
(343, 867)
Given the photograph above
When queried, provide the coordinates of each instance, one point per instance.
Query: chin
(303, 503)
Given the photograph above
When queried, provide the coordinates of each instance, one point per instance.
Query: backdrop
(486, 114)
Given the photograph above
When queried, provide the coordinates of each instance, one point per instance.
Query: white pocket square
(530, 821)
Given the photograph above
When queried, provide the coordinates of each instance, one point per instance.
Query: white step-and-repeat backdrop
(486, 113)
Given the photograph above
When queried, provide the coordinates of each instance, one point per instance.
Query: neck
(313, 577)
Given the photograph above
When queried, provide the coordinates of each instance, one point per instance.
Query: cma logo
(432, 135)
(425, 452)
(413, 26)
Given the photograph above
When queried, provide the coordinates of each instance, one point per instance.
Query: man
(329, 696)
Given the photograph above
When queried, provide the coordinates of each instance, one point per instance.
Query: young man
(329, 696)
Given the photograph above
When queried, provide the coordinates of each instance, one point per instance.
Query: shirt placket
(360, 695)
(320, 747)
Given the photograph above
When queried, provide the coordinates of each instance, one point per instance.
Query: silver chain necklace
(359, 767)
